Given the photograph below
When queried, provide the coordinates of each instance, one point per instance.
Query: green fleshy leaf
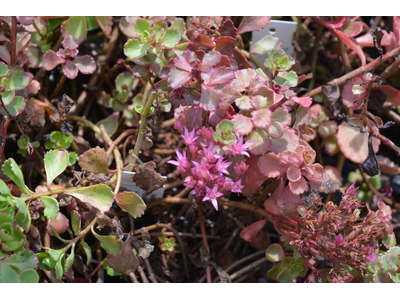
(70, 259)
(17, 81)
(29, 276)
(86, 248)
(288, 262)
(17, 106)
(8, 274)
(46, 262)
(275, 271)
(131, 203)
(55, 162)
(4, 190)
(110, 123)
(16, 243)
(12, 171)
(141, 26)
(23, 217)
(59, 140)
(59, 270)
(109, 242)
(76, 222)
(23, 260)
(99, 196)
(73, 158)
(125, 78)
(75, 26)
(135, 49)
(59, 237)
(381, 277)
(170, 38)
(3, 69)
(275, 253)
(265, 45)
(285, 276)
(7, 97)
(91, 23)
(51, 207)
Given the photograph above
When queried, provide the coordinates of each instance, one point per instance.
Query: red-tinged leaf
(253, 178)
(5, 54)
(105, 23)
(336, 23)
(271, 204)
(210, 98)
(188, 117)
(249, 232)
(241, 124)
(225, 45)
(349, 98)
(253, 24)
(204, 41)
(60, 224)
(70, 70)
(261, 142)
(353, 29)
(367, 40)
(353, 143)
(352, 44)
(131, 203)
(335, 176)
(261, 118)
(288, 203)
(218, 76)
(388, 166)
(126, 262)
(289, 141)
(244, 103)
(178, 78)
(127, 26)
(298, 187)
(271, 165)
(392, 94)
(396, 29)
(227, 28)
(241, 60)
(94, 160)
(85, 64)
(303, 101)
(22, 39)
(209, 60)
(70, 42)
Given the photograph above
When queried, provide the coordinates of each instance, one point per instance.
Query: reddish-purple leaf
(85, 64)
(126, 262)
(131, 203)
(336, 23)
(249, 232)
(210, 98)
(253, 24)
(94, 160)
(5, 54)
(353, 29)
(225, 45)
(70, 69)
(352, 44)
(241, 60)
(388, 166)
(271, 165)
(178, 78)
(392, 94)
(227, 28)
(105, 23)
(303, 101)
(51, 60)
(204, 41)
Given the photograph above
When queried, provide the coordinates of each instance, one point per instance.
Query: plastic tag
(128, 184)
(283, 30)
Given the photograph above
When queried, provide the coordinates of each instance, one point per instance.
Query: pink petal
(242, 125)
(177, 78)
(271, 165)
(70, 70)
(298, 187)
(70, 42)
(85, 64)
(253, 24)
(261, 118)
(210, 98)
(293, 174)
(51, 60)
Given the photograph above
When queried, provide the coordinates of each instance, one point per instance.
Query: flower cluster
(205, 165)
(339, 235)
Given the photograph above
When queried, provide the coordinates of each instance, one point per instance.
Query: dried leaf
(147, 178)
(331, 98)
(126, 262)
